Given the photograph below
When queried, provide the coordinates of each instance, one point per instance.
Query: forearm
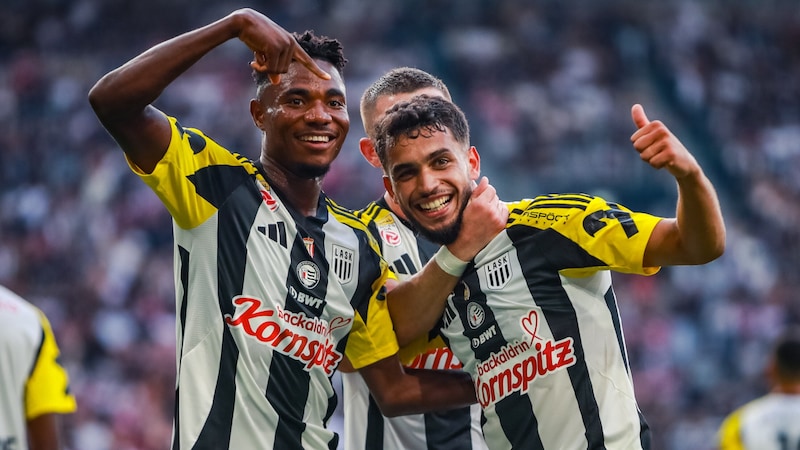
(417, 303)
(130, 88)
(699, 219)
(424, 391)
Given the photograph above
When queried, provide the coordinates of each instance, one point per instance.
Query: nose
(317, 112)
(427, 181)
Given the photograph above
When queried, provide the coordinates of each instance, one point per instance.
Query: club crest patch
(343, 263)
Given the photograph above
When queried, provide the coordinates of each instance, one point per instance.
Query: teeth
(315, 138)
(435, 205)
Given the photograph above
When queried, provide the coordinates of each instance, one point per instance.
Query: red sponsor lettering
(306, 339)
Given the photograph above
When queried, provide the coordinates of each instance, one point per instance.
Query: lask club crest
(343, 263)
(498, 272)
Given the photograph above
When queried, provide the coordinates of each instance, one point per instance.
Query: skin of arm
(122, 98)
(43, 432)
(484, 217)
(697, 233)
(399, 391)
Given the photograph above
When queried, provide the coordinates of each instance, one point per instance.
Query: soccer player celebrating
(534, 319)
(406, 252)
(275, 283)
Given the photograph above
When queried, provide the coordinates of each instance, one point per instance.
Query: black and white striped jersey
(535, 322)
(268, 302)
(365, 427)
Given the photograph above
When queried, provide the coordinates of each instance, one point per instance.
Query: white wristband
(449, 262)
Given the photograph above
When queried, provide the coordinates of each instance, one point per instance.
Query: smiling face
(304, 119)
(430, 175)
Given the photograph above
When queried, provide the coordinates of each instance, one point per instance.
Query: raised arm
(122, 98)
(697, 233)
(417, 303)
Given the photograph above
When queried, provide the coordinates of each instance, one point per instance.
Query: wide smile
(435, 205)
(316, 138)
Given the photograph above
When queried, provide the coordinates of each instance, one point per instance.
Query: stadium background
(547, 86)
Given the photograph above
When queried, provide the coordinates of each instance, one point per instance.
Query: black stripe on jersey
(540, 261)
(235, 220)
(374, 438)
(613, 309)
(448, 429)
(556, 206)
(183, 255)
(216, 183)
(582, 198)
(519, 424)
(289, 384)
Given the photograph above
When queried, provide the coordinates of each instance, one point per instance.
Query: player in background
(275, 283)
(535, 320)
(406, 252)
(34, 387)
(770, 422)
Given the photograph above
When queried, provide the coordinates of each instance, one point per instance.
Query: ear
(257, 113)
(474, 161)
(367, 149)
(387, 183)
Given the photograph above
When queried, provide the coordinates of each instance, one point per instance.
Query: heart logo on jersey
(531, 324)
(339, 322)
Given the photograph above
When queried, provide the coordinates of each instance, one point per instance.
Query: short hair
(787, 355)
(400, 80)
(317, 47)
(423, 116)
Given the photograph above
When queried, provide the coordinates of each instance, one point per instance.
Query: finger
(302, 57)
(638, 115)
(480, 187)
(274, 78)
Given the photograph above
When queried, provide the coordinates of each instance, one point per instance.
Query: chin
(311, 171)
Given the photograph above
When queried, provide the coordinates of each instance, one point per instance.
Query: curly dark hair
(423, 115)
(317, 47)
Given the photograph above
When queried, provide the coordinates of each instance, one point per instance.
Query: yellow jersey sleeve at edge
(730, 432)
(47, 390)
(373, 339)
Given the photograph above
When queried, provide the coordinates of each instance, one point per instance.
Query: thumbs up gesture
(659, 147)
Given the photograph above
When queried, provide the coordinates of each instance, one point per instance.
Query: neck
(302, 194)
(394, 206)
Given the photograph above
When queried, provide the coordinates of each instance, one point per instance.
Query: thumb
(639, 117)
(478, 188)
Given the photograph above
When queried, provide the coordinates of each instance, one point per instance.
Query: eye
(338, 104)
(440, 163)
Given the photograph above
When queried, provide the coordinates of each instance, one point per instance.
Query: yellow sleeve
(47, 390)
(730, 432)
(192, 158)
(372, 338)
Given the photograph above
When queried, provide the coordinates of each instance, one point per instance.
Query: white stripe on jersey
(459, 429)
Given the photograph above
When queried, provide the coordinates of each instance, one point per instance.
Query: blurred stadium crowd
(547, 86)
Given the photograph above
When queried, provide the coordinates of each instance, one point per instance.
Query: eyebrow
(402, 167)
(303, 92)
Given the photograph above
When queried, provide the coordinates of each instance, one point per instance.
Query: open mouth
(435, 205)
(316, 138)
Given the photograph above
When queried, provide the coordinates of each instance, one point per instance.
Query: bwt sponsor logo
(305, 339)
(515, 366)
